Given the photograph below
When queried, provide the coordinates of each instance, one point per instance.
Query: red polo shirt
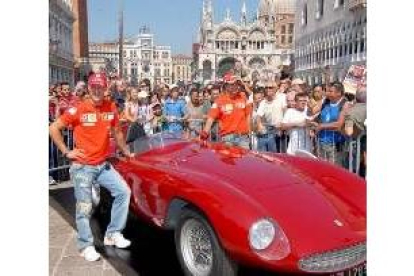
(91, 128)
(231, 114)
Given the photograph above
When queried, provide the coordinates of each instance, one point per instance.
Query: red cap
(98, 79)
(229, 78)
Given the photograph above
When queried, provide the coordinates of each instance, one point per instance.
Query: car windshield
(155, 141)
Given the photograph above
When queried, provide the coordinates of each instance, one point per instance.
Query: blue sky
(174, 22)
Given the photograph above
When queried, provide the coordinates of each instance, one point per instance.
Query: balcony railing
(357, 4)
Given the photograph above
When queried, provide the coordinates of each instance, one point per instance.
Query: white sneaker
(52, 181)
(118, 240)
(90, 254)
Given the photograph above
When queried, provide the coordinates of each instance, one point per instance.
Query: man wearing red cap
(92, 121)
(233, 112)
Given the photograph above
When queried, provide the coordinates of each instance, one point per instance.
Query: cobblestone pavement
(64, 258)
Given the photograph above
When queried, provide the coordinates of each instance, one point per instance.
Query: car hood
(247, 170)
(317, 204)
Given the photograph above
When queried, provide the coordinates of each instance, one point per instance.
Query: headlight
(261, 234)
(267, 234)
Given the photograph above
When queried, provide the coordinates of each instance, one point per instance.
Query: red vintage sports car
(228, 206)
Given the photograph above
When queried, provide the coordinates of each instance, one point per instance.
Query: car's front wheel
(198, 249)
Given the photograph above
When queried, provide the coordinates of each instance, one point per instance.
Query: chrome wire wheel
(196, 248)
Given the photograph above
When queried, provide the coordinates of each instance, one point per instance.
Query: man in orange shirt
(233, 112)
(92, 121)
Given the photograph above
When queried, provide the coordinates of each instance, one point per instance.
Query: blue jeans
(175, 127)
(83, 177)
(332, 153)
(266, 142)
(237, 140)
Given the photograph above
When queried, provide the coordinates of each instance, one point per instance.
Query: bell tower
(80, 38)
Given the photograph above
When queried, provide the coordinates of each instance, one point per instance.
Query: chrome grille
(333, 261)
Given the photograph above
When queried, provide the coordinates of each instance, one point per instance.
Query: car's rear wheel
(198, 249)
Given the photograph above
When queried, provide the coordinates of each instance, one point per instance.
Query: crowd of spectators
(286, 115)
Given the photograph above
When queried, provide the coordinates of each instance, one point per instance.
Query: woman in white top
(131, 106)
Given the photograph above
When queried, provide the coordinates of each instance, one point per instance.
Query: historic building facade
(181, 68)
(252, 47)
(61, 59)
(142, 58)
(329, 33)
(104, 56)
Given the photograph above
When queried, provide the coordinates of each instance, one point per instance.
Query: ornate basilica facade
(258, 48)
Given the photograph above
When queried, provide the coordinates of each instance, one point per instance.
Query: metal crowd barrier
(347, 155)
(58, 165)
(192, 131)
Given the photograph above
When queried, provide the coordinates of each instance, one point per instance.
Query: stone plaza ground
(64, 258)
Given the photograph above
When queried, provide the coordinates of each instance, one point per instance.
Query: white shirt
(298, 137)
(271, 112)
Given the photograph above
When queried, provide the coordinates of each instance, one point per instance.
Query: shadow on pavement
(152, 252)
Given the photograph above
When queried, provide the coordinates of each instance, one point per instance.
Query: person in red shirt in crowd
(92, 120)
(67, 99)
(233, 112)
(53, 103)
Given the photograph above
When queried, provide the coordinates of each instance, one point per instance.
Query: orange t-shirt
(231, 113)
(91, 129)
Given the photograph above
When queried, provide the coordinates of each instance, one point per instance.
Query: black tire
(221, 264)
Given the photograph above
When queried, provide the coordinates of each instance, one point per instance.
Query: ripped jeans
(83, 177)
